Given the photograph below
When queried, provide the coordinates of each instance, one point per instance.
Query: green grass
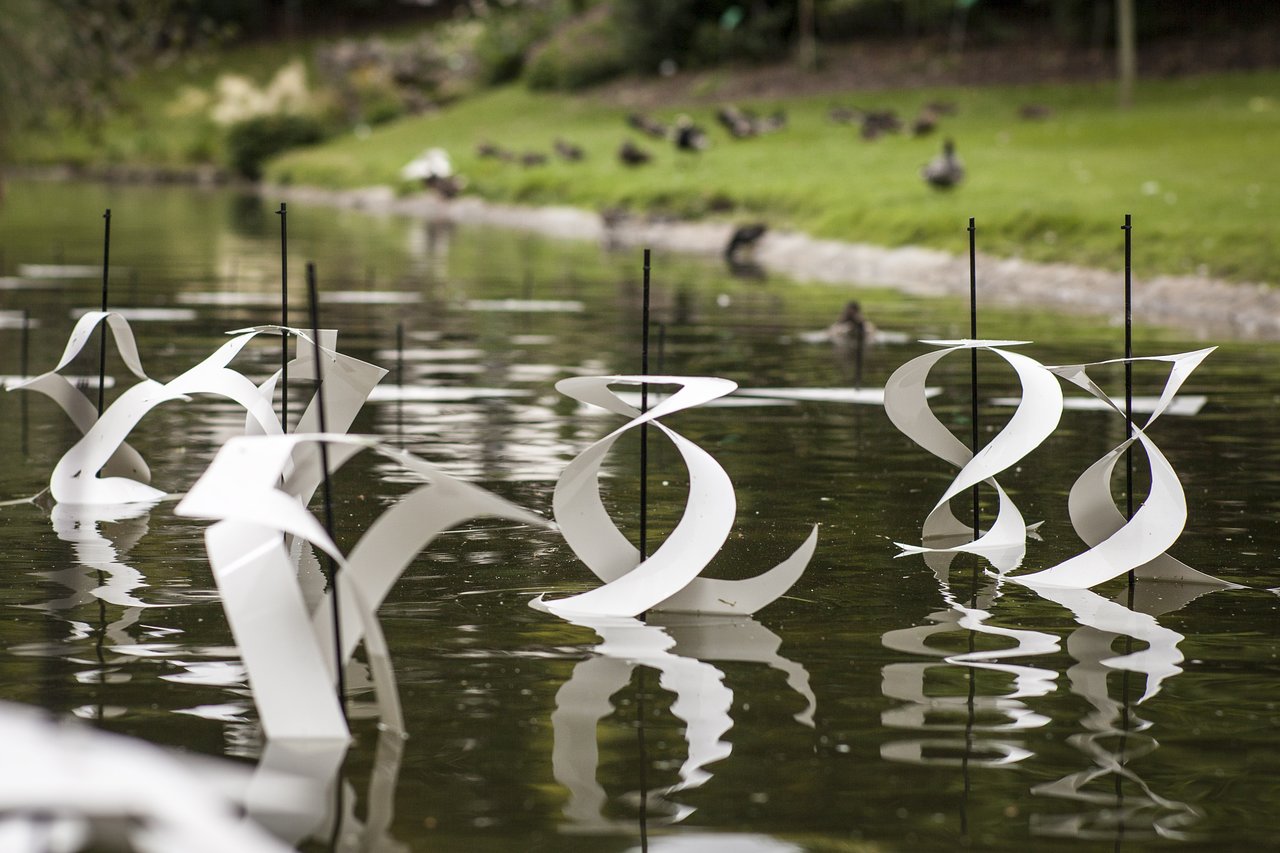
(1195, 162)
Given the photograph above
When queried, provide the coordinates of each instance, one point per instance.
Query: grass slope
(1195, 162)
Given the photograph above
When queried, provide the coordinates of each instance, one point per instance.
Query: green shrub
(696, 33)
(508, 37)
(252, 142)
(585, 52)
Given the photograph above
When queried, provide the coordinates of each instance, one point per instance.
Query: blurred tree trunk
(807, 48)
(1127, 51)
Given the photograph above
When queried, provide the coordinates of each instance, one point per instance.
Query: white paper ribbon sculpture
(69, 787)
(125, 475)
(1036, 417)
(1118, 545)
(288, 649)
(668, 579)
(124, 461)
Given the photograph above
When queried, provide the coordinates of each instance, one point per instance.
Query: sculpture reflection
(679, 647)
(98, 576)
(999, 716)
(1115, 801)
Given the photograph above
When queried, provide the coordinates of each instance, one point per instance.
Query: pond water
(856, 713)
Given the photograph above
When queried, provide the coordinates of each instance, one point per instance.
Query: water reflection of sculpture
(1117, 803)
(666, 582)
(1002, 715)
(680, 648)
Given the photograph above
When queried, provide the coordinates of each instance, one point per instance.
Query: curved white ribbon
(124, 461)
(1037, 416)
(1116, 544)
(286, 646)
(668, 579)
(349, 382)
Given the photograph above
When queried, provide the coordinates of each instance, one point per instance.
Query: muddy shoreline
(1205, 308)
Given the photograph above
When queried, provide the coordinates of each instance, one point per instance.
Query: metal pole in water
(644, 549)
(1128, 371)
(102, 339)
(644, 407)
(328, 494)
(284, 317)
(1128, 354)
(973, 355)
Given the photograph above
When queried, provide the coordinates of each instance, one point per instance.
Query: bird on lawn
(944, 171)
(744, 238)
(567, 150)
(434, 169)
(688, 136)
(647, 126)
(633, 155)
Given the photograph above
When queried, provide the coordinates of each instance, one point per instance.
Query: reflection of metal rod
(328, 494)
(284, 317)
(970, 702)
(644, 764)
(102, 339)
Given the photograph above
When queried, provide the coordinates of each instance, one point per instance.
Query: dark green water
(902, 748)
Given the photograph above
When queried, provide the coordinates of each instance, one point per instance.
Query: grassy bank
(1194, 162)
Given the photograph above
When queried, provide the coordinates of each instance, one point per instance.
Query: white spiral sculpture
(288, 649)
(125, 475)
(124, 461)
(1036, 417)
(668, 579)
(1117, 544)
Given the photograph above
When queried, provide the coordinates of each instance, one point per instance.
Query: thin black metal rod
(102, 336)
(644, 407)
(284, 316)
(1128, 354)
(1128, 373)
(973, 356)
(328, 494)
(644, 553)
